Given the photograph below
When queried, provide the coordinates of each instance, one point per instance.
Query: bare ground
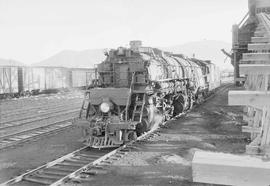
(26, 156)
(166, 160)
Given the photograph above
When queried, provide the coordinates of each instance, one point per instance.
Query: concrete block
(228, 169)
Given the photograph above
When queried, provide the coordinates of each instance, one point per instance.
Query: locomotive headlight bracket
(106, 105)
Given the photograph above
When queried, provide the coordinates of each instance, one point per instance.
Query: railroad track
(44, 106)
(33, 118)
(28, 135)
(42, 98)
(81, 167)
(16, 130)
(33, 102)
(38, 101)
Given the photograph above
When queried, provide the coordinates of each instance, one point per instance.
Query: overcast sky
(32, 30)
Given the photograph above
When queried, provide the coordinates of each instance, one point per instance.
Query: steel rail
(35, 118)
(27, 135)
(102, 159)
(10, 112)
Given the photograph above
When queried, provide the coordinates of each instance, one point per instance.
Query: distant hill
(10, 62)
(74, 59)
(206, 49)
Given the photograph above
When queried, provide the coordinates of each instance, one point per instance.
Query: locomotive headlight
(105, 107)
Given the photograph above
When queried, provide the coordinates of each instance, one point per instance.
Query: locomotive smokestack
(135, 45)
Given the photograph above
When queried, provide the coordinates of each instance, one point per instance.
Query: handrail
(130, 92)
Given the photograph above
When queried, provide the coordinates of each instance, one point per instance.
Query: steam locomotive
(138, 88)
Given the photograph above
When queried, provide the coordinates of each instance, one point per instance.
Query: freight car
(138, 88)
(18, 81)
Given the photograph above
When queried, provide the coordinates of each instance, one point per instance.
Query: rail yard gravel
(162, 160)
(28, 155)
(166, 158)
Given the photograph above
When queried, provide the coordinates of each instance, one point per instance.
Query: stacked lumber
(256, 66)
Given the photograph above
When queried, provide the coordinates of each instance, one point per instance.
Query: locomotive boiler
(136, 89)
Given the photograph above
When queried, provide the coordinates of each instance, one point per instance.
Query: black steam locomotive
(138, 88)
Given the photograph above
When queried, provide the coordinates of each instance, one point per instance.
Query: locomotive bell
(106, 105)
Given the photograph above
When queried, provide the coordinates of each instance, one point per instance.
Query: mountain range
(74, 59)
(206, 49)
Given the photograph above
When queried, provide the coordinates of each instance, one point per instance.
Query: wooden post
(235, 31)
(10, 80)
(20, 80)
(45, 77)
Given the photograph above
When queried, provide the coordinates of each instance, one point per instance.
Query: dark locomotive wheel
(178, 109)
(141, 128)
(178, 105)
(132, 136)
(201, 98)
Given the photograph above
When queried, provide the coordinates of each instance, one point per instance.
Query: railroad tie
(60, 169)
(80, 160)
(54, 172)
(72, 164)
(48, 176)
(82, 179)
(39, 181)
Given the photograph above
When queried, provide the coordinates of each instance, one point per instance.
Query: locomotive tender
(138, 88)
